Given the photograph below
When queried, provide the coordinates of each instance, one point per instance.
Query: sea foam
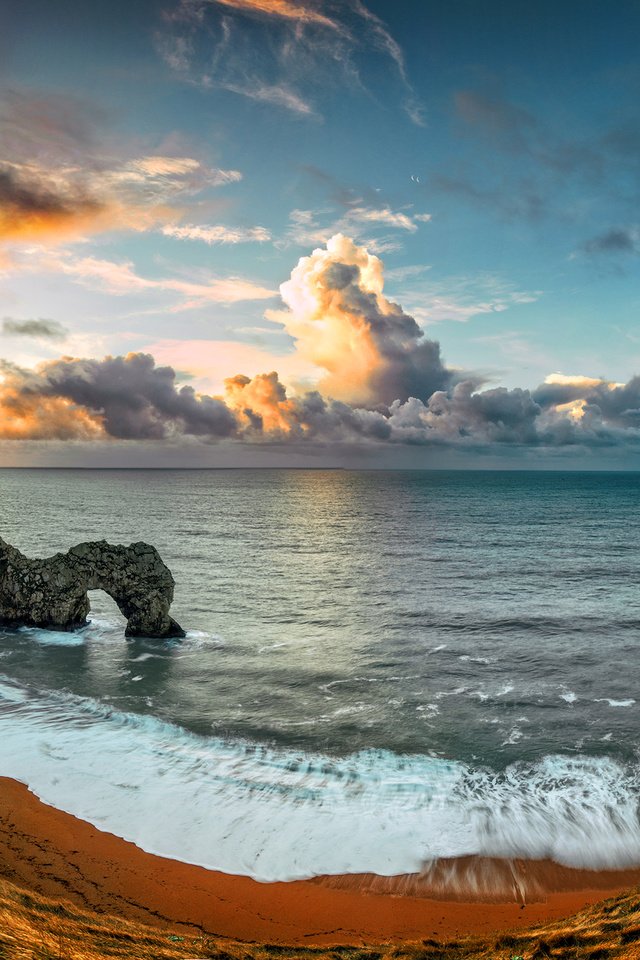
(273, 814)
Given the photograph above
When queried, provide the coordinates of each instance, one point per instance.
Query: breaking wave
(279, 814)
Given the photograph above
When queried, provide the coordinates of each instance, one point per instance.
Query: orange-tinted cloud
(261, 403)
(131, 398)
(282, 8)
(28, 415)
(33, 209)
(369, 347)
(341, 321)
(125, 397)
(51, 205)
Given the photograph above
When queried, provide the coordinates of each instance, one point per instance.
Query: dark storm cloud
(38, 329)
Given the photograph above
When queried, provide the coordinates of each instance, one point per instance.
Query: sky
(320, 232)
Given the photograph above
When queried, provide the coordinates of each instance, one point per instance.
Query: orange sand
(59, 856)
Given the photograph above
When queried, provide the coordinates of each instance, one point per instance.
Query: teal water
(448, 661)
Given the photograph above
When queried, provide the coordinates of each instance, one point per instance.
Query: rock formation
(52, 593)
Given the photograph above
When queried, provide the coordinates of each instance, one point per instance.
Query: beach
(59, 856)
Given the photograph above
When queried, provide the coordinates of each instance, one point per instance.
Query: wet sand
(60, 856)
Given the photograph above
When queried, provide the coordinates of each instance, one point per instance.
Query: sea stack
(52, 593)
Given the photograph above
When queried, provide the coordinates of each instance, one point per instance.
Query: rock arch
(52, 592)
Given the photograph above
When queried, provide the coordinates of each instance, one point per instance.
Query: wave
(271, 814)
(107, 630)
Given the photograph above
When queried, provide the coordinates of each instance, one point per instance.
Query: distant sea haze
(380, 668)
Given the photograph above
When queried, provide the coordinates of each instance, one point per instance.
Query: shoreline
(57, 855)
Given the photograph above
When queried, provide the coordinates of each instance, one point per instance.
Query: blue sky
(166, 165)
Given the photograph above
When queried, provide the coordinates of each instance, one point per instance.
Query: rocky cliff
(52, 593)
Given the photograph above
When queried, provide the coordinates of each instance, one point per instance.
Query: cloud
(218, 234)
(280, 52)
(120, 278)
(341, 321)
(123, 397)
(522, 200)
(34, 207)
(60, 180)
(496, 118)
(388, 217)
(459, 298)
(281, 8)
(278, 95)
(130, 398)
(616, 240)
(381, 381)
(562, 390)
(47, 205)
(49, 127)
(165, 178)
(47, 329)
(545, 169)
(359, 221)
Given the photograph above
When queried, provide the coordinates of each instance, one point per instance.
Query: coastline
(55, 854)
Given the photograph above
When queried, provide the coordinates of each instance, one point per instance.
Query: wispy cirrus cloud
(360, 221)
(214, 234)
(120, 278)
(277, 94)
(298, 12)
(459, 298)
(281, 52)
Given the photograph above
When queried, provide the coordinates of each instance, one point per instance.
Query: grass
(37, 928)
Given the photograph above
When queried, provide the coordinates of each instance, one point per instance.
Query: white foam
(55, 638)
(197, 640)
(282, 814)
(96, 630)
(616, 703)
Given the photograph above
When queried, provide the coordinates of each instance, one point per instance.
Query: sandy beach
(57, 855)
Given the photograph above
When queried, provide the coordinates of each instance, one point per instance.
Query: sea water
(380, 669)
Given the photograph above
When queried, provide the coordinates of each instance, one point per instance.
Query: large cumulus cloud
(372, 350)
(383, 382)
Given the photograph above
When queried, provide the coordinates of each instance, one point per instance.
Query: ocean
(381, 668)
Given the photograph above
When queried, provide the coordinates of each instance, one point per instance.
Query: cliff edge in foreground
(52, 593)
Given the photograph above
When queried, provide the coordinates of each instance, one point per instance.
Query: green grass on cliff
(36, 928)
